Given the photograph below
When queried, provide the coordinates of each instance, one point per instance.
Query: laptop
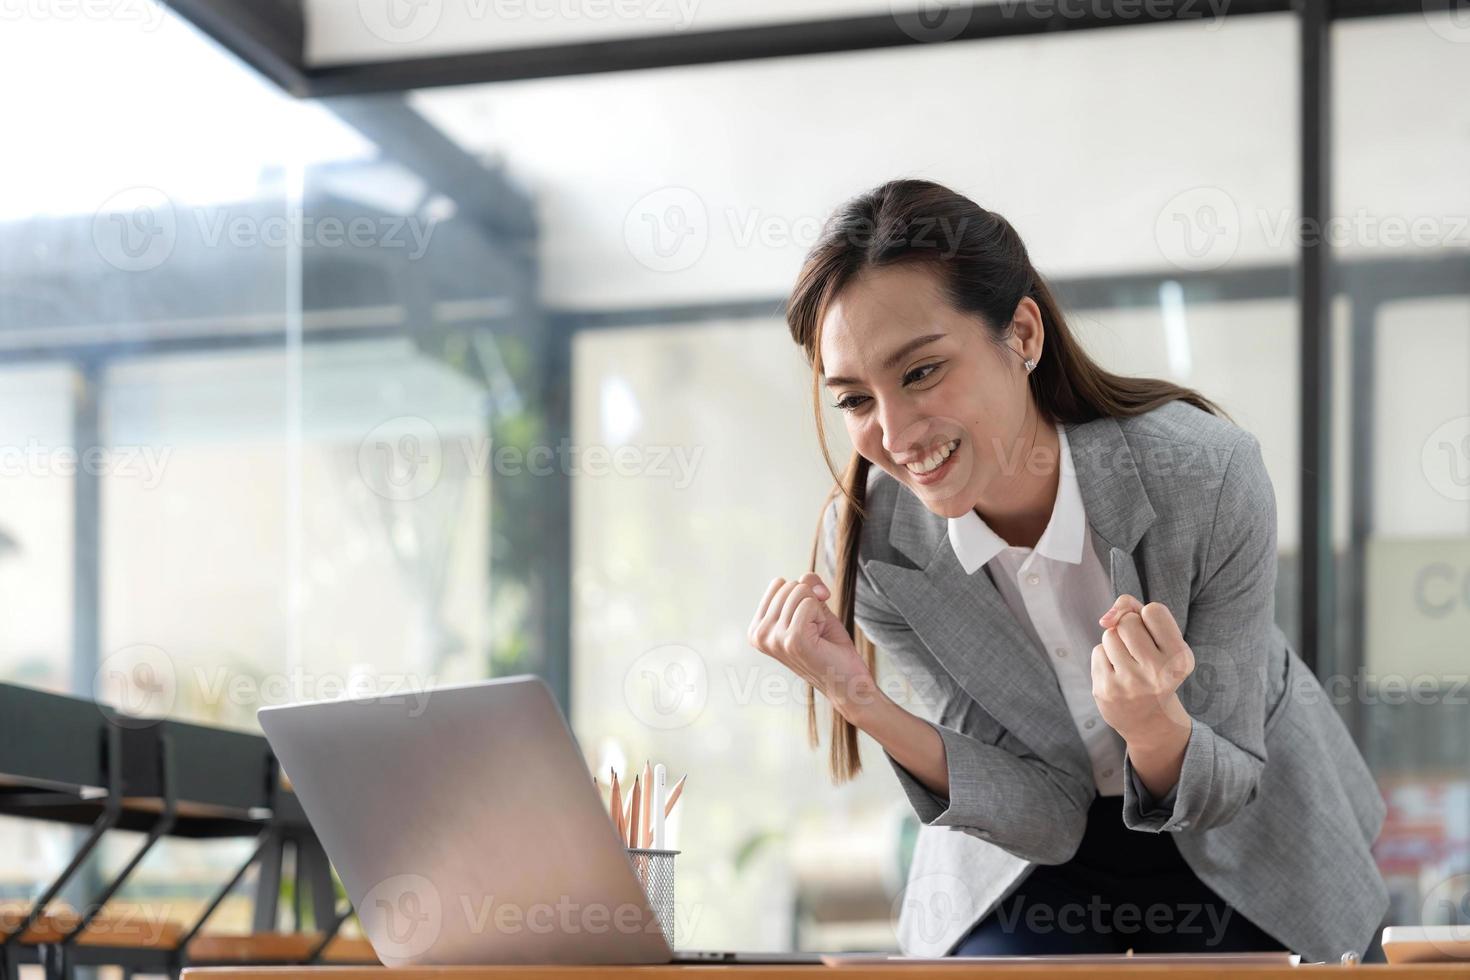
(466, 829)
(1427, 944)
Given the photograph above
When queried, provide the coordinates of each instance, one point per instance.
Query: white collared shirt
(1056, 591)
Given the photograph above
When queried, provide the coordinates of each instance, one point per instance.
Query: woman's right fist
(794, 625)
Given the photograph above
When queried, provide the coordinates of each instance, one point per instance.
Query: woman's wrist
(911, 741)
(857, 698)
(1158, 754)
(1165, 731)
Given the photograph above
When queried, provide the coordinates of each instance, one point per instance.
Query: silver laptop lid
(466, 827)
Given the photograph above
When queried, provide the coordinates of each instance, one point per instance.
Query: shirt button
(1060, 651)
(1090, 723)
(1033, 579)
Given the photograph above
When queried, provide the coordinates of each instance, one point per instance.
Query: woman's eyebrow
(893, 359)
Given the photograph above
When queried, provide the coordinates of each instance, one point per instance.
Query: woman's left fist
(1137, 670)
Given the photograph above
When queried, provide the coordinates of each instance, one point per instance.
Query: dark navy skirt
(1123, 889)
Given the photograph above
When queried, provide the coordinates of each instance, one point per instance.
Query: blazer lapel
(1118, 510)
(966, 624)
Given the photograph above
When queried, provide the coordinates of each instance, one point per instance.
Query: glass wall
(1402, 240)
(253, 367)
(36, 534)
(100, 258)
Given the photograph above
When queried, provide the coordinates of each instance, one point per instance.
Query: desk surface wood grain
(1377, 971)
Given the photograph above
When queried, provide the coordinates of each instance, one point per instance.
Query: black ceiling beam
(407, 138)
(269, 35)
(1018, 18)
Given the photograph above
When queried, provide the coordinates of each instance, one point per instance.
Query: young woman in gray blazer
(1073, 572)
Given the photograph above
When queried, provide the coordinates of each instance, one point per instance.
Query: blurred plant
(747, 849)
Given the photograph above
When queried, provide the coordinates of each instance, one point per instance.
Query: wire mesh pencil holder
(655, 870)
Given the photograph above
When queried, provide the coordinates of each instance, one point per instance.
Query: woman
(1125, 751)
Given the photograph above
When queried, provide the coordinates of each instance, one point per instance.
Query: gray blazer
(1275, 809)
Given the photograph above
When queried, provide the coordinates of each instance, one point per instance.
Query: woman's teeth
(932, 462)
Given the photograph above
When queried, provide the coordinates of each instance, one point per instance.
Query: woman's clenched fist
(794, 625)
(1137, 670)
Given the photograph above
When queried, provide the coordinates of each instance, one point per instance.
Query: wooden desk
(1371, 971)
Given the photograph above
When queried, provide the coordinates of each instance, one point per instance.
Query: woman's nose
(899, 429)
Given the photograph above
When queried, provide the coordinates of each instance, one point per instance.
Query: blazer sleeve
(1229, 628)
(999, 791)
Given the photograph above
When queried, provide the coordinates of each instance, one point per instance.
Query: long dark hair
(985, 271)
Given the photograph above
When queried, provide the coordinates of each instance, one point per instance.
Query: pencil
(637, 811)
(647, 822)
(617, 806)
(674, 794)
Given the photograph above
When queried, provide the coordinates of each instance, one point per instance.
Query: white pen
(660, 792)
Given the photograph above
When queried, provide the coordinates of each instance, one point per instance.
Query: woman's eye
(920, 373)
(853, 402)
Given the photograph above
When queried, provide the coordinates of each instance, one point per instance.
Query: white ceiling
(375, 30)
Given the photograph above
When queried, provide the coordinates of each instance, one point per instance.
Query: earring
(1030, 365)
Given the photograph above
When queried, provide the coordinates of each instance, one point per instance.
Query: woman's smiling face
(917, 380)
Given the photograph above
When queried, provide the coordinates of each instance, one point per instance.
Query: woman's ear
(1028, 329)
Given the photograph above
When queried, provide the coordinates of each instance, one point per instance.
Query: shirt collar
(974, 543)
